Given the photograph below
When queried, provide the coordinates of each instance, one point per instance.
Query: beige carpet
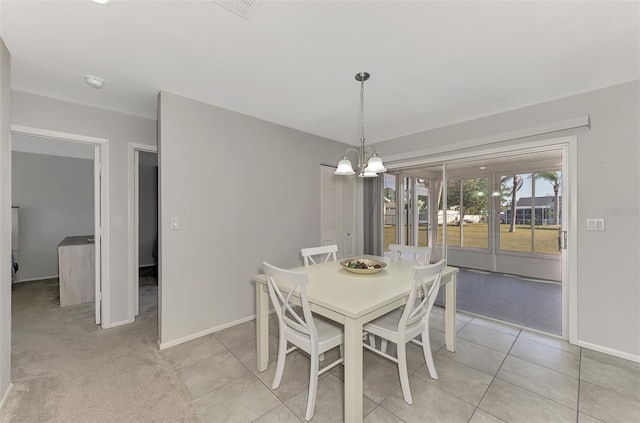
(65, 368)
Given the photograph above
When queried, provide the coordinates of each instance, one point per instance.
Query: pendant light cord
(362, 152)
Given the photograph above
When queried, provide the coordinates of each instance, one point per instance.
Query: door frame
(101, 213)
(134, 216)
(568, 145)
(339, 185)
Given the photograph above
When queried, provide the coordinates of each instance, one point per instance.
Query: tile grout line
(534, 393)
(604, 386)
(451, 393)
(223, 385)
(553, 348)
(271, 390)
(579, 386)
(399, 388)
(494, 377)
(260, 381)
(536, 364)
(265, 413)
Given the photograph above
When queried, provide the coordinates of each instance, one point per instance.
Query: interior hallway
(65, 368)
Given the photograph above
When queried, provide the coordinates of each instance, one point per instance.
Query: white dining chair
(417, 254)
(421, 255)
(312, 334)
(328, 253)
(404, 324)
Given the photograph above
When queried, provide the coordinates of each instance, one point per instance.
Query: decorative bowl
(372, 266)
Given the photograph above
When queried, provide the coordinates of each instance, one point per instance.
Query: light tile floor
(497, 374)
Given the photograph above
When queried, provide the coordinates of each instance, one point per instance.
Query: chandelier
(369, 165)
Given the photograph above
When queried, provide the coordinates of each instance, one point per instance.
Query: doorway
(498, 254)
(36, 145)
(143, 218)
(338, 212)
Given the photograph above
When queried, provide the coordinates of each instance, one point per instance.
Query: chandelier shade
(345, 167)
(375, 164)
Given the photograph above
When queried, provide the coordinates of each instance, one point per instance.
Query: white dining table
(353, 300)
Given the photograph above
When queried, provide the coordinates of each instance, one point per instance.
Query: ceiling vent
(242, 8)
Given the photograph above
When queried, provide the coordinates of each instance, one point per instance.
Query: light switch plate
(175, 223)
(595, 224)
(117, 221)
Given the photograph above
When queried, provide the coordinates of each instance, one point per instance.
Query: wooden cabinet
(76, 264)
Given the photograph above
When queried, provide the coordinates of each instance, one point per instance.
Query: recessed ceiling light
(483, 167)
(102, 2)
(94, 81)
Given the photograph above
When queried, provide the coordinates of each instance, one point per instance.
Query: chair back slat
(288, 317)
(419, 254)
(418, 307)
(329, 252)
(297, 322)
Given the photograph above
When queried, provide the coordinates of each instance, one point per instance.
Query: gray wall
(55, 196)
(148, 207)
(608, 187)
(120, 129)
(5, 219)
(245, 190)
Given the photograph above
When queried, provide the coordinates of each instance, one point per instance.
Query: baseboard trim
(120, 323)
(616, 353)
(39, 278)
(165, 345)
(5, 397)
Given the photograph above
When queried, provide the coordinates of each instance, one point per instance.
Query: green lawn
(476, 235)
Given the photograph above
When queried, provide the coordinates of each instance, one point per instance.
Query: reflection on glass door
(515, 223)
(389, 210)
(422, 208)
(548, 211)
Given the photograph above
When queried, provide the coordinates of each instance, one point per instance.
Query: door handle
(562, 240)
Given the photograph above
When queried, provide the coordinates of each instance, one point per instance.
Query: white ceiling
(293, 62)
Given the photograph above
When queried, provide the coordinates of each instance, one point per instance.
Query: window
(468, 207)
(528, 218)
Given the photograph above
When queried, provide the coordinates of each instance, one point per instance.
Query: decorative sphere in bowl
(363, 265)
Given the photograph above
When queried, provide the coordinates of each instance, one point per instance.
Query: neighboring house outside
(389, 212)
(544, 210)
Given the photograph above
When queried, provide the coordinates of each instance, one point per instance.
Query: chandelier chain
(362, 112)
(363, 154)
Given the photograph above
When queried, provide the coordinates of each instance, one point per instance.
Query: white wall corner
(165, 345)
(616, 353)
(6, 396)
(120, 323)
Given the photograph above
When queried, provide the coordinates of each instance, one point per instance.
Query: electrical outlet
(595, 224)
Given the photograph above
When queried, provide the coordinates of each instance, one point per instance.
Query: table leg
(450, 314)
(262, 328)
(352, 371)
